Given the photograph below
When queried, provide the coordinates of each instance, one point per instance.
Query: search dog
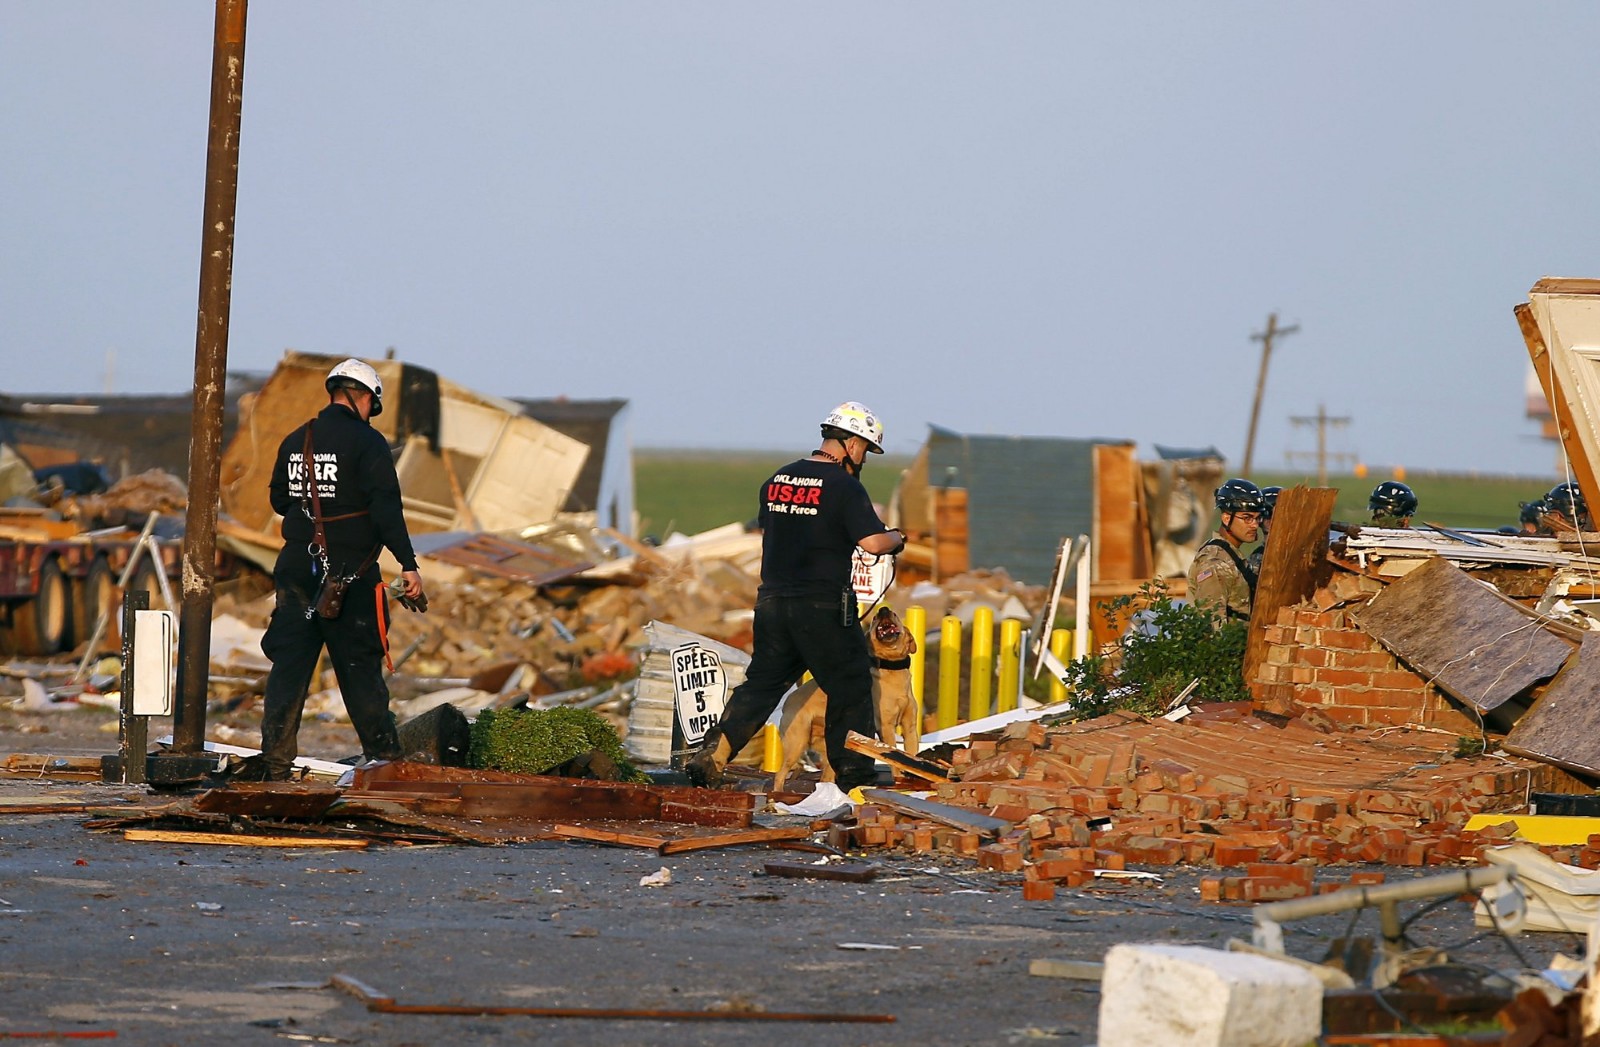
(896, 711)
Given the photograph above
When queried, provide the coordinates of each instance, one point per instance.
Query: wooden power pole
(1265, 338)
(1323, 422)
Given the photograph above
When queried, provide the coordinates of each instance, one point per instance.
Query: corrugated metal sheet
(1024, 494)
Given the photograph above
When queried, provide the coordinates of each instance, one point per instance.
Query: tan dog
(896, 711)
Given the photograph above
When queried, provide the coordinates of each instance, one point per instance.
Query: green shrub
(534, 741)
(1175, 644)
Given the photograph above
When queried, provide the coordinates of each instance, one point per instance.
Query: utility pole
(210, 374)
(1323, 422)
(1265, 338)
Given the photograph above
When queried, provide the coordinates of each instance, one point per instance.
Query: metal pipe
(210, 373)
(1269, 918)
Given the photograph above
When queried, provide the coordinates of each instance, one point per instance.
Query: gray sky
(1021, 218)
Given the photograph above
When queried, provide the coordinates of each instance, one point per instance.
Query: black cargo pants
(793, 635)
(294, 642)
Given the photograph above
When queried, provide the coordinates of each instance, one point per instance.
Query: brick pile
(1320, 659)
(1269, 802)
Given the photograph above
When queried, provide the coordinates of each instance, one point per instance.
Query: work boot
(704, 768)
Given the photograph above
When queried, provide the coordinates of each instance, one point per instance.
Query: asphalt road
(169, 944)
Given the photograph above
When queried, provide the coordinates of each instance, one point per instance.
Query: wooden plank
(1563, 727)
(847, 872)
(1469, 641)
(508, 558)
(293, 800)
(706, 843)
(1295, 563)
(1121, 534)
(931, 770)
(1081, 970)
(1573, 427)
(944, 814)
(240, 840)
(584, 832)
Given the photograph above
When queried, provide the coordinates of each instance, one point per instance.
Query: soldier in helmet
(1392, 504)
(1568, 509)
(814, 514)
(1269, 495)
(1530, 519)
(1219, 576)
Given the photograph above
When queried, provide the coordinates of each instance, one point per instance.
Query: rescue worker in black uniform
(1392, 504)
(360, 506)
(814, 513)
(1568, 509)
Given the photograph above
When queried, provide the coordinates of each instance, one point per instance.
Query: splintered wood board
(1563, 727)
(317, 843)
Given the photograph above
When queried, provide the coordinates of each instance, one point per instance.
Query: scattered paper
(657, 879)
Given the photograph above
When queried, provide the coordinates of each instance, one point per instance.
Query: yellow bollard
(949, 672)
(1061, 647)
(982, 663)
(771, 748)
(917, 626)
(1010, 665)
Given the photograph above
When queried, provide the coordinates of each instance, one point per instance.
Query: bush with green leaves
(1170, 645)
(535, 741)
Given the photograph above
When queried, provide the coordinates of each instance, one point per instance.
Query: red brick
(1315, 619)
(1272, 889)
(1228, 853)
(1398, 680)
(1316, 809)
(1000, 858)
(1211, 889)
(1344, 677)
(1347, 640)
(1303, 875)
(1038, 891)
(1362, 660)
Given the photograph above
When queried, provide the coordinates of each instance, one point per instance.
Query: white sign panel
(700, 688)
(870, 576)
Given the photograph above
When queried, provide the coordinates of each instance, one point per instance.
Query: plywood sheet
(1563, 727)
(1471, 642)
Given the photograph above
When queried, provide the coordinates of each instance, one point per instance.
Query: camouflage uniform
(1219, 578)
(1390, 521)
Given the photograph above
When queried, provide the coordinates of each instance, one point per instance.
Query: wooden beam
(931, 770)
(1560, 406)
(707, 843)
(240, 840)
(1296, 562)
(848, 872)
(621, 839)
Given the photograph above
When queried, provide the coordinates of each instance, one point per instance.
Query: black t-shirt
(812, 515)
(356, 480)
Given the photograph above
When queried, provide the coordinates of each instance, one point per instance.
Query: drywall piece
(1186, 996)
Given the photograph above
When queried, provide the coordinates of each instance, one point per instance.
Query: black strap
(1244, 568)
(892, 663)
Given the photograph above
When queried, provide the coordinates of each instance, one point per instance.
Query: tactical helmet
(1240, 496)
(1392, 498)
(1532, 512)
(1567, 499)
(856, 419)
(1270, 496)
(360, 374)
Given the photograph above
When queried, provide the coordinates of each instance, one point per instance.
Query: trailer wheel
(144, 580)
(96, 593)
(40, 625)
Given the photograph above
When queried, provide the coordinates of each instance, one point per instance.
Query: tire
(94, 593)
(40, 626)
(144, 580)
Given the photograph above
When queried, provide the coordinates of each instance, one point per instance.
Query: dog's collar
(892, 663)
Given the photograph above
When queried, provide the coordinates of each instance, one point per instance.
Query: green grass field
(694, 490)
(691, 491)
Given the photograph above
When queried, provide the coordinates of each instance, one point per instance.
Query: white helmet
(358, 372)
(856, 419)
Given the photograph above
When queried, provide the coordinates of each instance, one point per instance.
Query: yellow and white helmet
(856, 419)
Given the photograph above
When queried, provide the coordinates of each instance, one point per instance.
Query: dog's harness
(892, 663)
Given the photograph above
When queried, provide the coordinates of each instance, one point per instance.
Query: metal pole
(210, 369)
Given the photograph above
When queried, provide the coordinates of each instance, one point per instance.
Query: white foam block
(1186, 996)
